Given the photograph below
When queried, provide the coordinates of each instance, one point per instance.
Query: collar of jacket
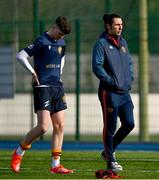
(113, 39)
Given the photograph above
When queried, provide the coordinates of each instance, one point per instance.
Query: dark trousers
(115, 105)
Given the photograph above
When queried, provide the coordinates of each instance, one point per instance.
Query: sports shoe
(114, 166)
(60, 170)
(16, 162)
(103, 156)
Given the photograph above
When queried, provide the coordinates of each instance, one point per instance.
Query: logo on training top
(110, 47)
(49, 47)
(59, 50)
(31, 46)
(123, 49)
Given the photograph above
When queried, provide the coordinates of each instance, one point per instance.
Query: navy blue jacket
(112, 64)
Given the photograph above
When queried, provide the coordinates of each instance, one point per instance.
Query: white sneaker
(114, 166)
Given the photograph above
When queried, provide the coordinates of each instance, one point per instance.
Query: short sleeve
(33, 48)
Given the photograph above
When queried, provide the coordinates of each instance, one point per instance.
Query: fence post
(77, 34)
(35, 18)
(143, 71)
(108, 6)
(35, 34)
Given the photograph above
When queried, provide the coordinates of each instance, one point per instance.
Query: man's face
(116, 27)
(58, 34)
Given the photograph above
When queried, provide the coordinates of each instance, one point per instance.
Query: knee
(59, 127)
(43, 129)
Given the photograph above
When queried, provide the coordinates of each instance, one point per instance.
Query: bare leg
(42, 126)
(58, 125)
(57, 141)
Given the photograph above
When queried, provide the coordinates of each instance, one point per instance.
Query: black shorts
(50, 98)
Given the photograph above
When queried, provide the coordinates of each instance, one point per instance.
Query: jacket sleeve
(130, 63)
(131, 68)
(98, 64)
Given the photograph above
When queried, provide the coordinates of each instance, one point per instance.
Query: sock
(55, 162)
(56, 157)
(21, 149)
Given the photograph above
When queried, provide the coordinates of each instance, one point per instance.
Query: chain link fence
(17, 29)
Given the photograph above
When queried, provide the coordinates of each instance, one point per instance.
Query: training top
(48, 55)
(112, 64)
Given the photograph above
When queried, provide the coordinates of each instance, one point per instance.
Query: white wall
(15, 114)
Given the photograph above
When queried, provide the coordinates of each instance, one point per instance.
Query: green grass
(36, 165)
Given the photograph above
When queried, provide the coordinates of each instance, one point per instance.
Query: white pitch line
(84, 159)
(138, 159)
(7, 168)
(143, 171)
(82, 170)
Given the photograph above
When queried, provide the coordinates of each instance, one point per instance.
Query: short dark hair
(63, 24)
(108, 19)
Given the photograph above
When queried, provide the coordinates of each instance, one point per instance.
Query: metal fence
(16, 115)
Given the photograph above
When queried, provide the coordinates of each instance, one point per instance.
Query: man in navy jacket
(112, 64)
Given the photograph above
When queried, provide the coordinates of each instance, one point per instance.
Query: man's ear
(108, 27)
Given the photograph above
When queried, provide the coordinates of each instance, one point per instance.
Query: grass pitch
(36, 165)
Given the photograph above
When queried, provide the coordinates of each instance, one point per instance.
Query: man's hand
(35, 81)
